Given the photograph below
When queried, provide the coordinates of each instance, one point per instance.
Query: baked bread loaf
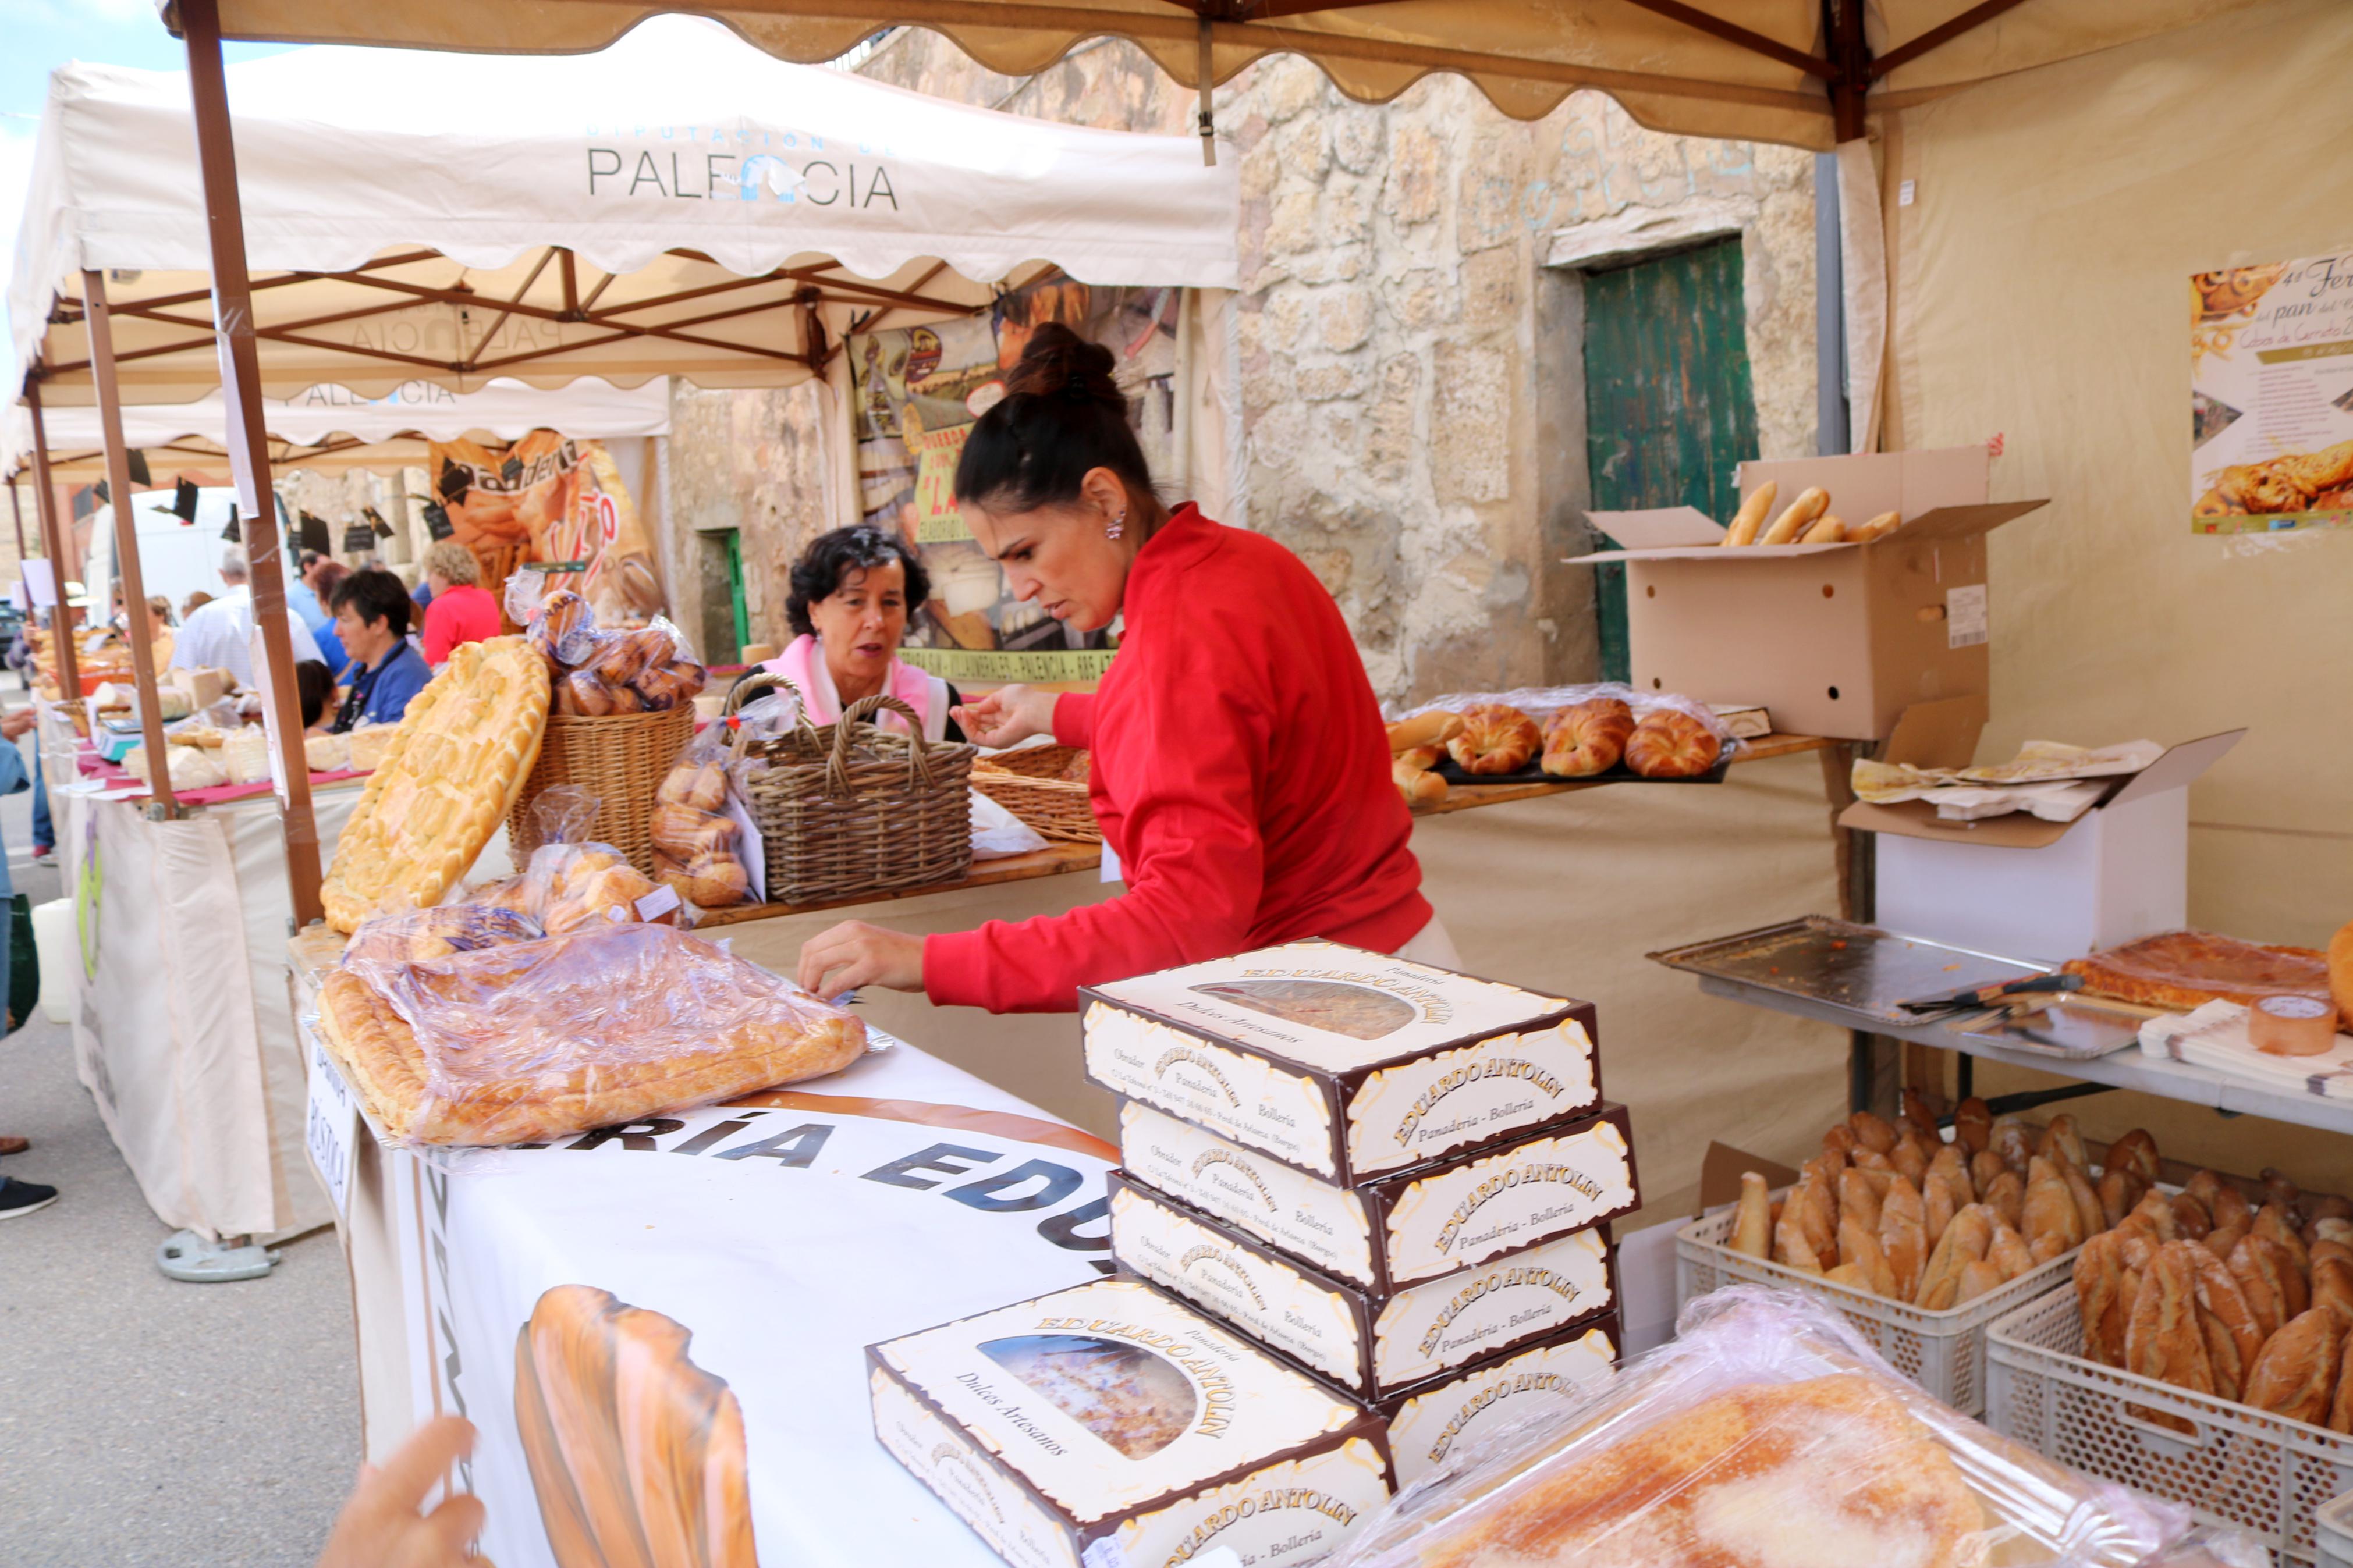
(1828, 528)
(1417, 783)
(1832, 1472)
(708, 881)
(538, 1040)
(445, 929)
(1495, 738)
(1751, 515)
(636, 1454)
(1798, 516)
(2296, 1374)
(686, 832)
(451, 773)
(1587, 739)
(1670, 745)
(1879, 527)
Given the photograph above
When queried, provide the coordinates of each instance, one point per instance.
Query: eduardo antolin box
(1832, 639)
(1368, 1343)
(1339, 1061)
(1111, 1425)
(1428, 1423)
(1419, 1224)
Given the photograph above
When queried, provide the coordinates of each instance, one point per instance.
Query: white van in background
(175, 559)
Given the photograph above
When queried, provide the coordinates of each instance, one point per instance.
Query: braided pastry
(1587, 739)
(1670, 745)
(1494, 738)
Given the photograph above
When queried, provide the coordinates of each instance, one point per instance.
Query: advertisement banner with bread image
(636, 1453)
(548, 497)
(2270, 395)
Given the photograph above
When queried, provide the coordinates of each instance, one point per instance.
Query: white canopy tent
(680, 203)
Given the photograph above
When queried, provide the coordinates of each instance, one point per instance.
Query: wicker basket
(620, 760)
(2237, 1464)
(1027, 783)
(853, 808)
(1944, 1352)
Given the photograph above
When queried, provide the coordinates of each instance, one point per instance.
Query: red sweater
(461, 613)
(1240, 771)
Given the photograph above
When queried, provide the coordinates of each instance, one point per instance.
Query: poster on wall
(547, 498)
(2270, 395)
(918, 391)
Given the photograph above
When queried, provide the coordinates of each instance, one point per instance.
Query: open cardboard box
(2021, 887)
(1831, 639)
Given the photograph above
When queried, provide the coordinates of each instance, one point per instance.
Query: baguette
(1434, 728)
(1830, 529)
(1879, 527)
(1799, 515)
(1745, 521)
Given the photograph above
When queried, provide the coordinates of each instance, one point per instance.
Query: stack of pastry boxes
(1394, 1177)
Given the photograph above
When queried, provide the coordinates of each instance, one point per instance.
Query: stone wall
(1410, 344)
(754, 462)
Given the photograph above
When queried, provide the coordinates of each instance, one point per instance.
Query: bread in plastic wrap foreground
(1766, 1435)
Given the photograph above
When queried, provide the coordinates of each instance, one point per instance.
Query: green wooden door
(1668, 411)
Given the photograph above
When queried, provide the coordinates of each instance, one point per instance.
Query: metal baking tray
(1858, 967)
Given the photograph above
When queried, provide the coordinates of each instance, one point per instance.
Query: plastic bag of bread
(407, 935)
(524, 1042)
(1767, 1433)
(568, 886)
(601, 671)
(698, 851)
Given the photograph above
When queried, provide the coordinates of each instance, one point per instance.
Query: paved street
(143, 1421)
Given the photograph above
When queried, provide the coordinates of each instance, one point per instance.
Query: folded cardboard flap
(1929, 736)
(1659, 528)
(1719, 1174)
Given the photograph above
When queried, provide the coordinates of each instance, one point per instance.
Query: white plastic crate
(2333, 1533)
(1944, 1352)
(2237, 1466)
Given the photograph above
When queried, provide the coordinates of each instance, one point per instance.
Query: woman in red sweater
(1240, 769)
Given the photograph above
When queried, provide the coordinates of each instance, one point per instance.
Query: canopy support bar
(1733, 34)
(1208, 79)
(16, 510)
(53, 545)
(127, 568)
(1904, 54)
(249, 446)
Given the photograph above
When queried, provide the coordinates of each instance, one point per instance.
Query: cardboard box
(1423, 1224)
(2022, 888)
(1428, 1423)
(1341, 1062)
(1112, 1413)
(1370, 1342)
(1834, 639)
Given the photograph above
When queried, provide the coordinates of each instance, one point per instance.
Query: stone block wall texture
(1393, 350)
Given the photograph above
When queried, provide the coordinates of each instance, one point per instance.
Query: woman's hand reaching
(855, 953)
(1007, 716)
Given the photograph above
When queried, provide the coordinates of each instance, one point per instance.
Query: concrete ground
(143, 1421)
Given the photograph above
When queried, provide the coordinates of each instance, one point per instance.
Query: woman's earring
(1117, 526)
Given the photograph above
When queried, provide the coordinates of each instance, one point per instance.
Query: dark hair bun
(1058, 362)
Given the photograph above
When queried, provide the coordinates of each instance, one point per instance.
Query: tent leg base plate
(190, 1258)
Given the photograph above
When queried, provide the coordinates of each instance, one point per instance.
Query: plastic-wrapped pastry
(708, 881)
(685, 832)
(700, 784)
(413, 934)
(537, 1040)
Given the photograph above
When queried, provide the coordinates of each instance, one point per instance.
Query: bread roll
(702, 785)
(1587, 739)
(1496, 739)
(1752, 1225)
(683, 831)
(1973, 1125)
(1751, 515)
(1879, 527)
(1798, 516)
(1829, 529)
(581, 693)
(1420, 786)
(1670, 745)
(1423, 757)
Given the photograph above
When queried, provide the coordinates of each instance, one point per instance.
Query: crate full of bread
(1109, 1423)
(1842, 591)
(1341, 1062)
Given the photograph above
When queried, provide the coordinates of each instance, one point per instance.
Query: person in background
(24, 977)
(219, 635)
(372, 610)
(159, 628)
(314, 688)
(852, 591)
(309, 598)
(458, 610)
(192, 602)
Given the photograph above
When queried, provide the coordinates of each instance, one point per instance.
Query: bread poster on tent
(548, 497)
(918, 391)
(2271, 399)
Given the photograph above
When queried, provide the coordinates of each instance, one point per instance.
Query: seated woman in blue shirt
(372, 612)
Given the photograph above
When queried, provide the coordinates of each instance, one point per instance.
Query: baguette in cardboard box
(1341, 1062)
(1421, 1223)
(1111, 1424)
(1428, 1422)
(1368, 1343)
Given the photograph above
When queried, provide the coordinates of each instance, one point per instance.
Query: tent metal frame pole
(16, 510)
(45, 502)
(248, 447)
(127, 570)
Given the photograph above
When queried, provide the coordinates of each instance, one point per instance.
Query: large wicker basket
(853, 808)
(619, 759)
(1029, 782)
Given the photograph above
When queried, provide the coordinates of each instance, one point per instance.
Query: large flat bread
(535, 1041)
(2185, 969)
(445, 781)
(1828, 1473)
